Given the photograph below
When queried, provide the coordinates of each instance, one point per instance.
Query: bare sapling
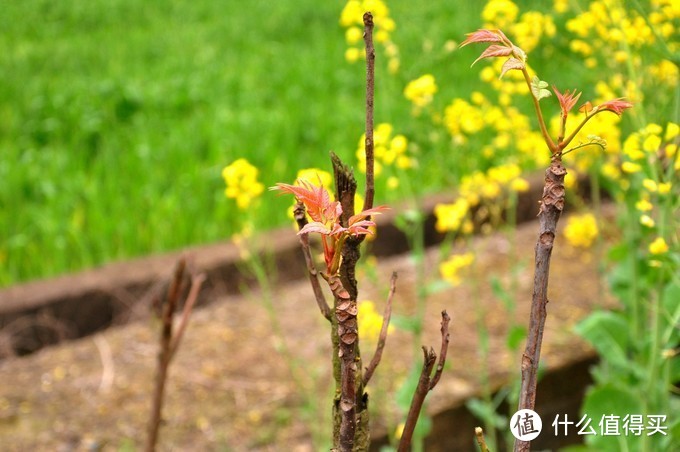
(552, 201)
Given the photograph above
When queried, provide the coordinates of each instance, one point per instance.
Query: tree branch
(370, 96)
(383, 331)
(164, 355)
(481, 442)
(444, 348)
(551, 208)
(196, 283)
(301, 220)
(425, 384)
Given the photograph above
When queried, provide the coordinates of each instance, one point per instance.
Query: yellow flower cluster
(644, 145)
(618, 33)
(648, 153)
(511, 84)
(370, 321)
(531, 27)
(658, 246)
(421, 90)
(499, 14)
(351, 18)
(525, 32)
(388, 150)
(242, 185)
(451, 269)
(581, 230)
(474, 190)
(511, 128)
(453, 217)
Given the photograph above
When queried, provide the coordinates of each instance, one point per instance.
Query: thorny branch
(301, 220)
(383, 332)
(425, 384)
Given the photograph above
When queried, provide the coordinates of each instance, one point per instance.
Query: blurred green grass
(117, 117)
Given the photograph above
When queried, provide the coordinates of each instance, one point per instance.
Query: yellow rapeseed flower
(242, 185)
(658, 246)
(644, 205)
(651, 143)
(664, 188)
(650, 185)
(450, 269)
(421, 90)
(450, 216)
(646, 220)
(630, 167)
(499, 14)
(352, 14)
(353, 35)
(581, 230)
(370, 321)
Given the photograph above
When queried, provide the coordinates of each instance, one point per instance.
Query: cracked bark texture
(350, 414)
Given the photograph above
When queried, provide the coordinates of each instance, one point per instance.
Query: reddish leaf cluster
(325, 215)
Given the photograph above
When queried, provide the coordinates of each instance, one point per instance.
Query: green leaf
(539, 88)
(610, 400)
(608, 333)
(411, 324)
(502, 294)
(516, 336)
(670, 300)
(486, 413)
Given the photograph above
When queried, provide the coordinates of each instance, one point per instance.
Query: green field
(117, 117)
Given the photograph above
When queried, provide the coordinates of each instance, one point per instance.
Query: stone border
(44, 312)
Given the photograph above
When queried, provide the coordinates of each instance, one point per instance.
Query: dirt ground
(233, 385)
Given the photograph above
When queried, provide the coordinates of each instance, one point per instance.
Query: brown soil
(231, 386)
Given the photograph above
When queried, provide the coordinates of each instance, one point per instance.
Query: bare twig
(479, 434)
(552, 204)
(169, 343)
(301, 220)
(196, 283)
(383, 331)
(370, 96)
(429, 358)
(425, 384)
(442, 352)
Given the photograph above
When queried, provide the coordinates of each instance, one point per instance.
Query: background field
(117, 117)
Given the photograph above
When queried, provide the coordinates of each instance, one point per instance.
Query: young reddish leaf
(483, 36)
(615, 106)
(317, 227)
(315, 198)
(494, 50)
(567, 100)
(512, 63)
(361, 227)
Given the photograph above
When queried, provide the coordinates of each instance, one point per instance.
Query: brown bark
(426, 383)
(551, 208)
(164, 354)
